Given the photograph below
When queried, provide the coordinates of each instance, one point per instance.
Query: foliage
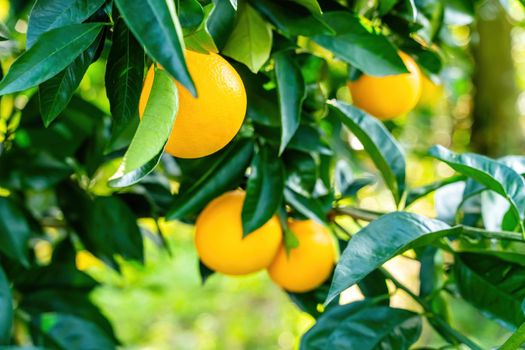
(59, 150)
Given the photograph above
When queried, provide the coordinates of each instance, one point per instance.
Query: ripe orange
(388, 96)
(207, 123)
(219, 241)
(310, 264)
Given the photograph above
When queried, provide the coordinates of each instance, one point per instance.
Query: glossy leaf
(385, 152)
(201, 40)
(311, 5)
(492, 174)
(369, 52)
(292, 92)
(156, 27)
(493, 286)
(292, 19)
(55, 94)
(15, 231)
(152, 134)
(6, 305)
(51, 14)
(264, 190)
(364, 326)
(380, 241)
(221, 22)
(251, 39)
(124, 74)
(67, 332)
(191, 14)
(51, 54)
(223, 175)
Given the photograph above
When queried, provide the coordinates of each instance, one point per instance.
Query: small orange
(310, 264)
(219, 241)
(207, 123)
(388, 96)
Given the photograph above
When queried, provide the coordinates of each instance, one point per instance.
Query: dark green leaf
(220, 22)
(301, 172)
(15, 231)
(156, 27)
(152, 134)
(374, 285)
(205, 272)
(308, 139)
(380, 241)
(67, 302)
(494, 286)
(200, 39)
(264, 191)
(55, 93)
(291, 92)
(221, 176)
(311, 5)
(66, 332)
(124, 74)
(369, 52)
(6, 305)
(385, 152)
(292, 19)
(251, 39)
(114, 224)
(492, 174)
(51, 54)
(363, 326)
(51, 14)
(310, 207)
(311, 302)
(416, 193)
(191, 14)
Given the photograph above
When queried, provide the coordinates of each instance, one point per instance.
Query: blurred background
(476, 104)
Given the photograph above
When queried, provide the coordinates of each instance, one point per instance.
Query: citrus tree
(237, 116)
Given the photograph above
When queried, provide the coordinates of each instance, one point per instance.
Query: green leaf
(385, 152)
(55, 94)
(264, 191)
(51, 14)
(152, 134)
(222, 175)
(112, 222)
(191, 14)
(307, 138)
(380, 241)
(311, 302)
(369, 52)
(6, 305)
(311, 5)
(67, 302)
(200, 39)
(490, 173)
(292, 92)
(417, 193)
(156, 27)
(493, 286)
(124, 75)
(363, 326)
(310, 207)
(292, 19)
(66, 332)
(221, 22)
(374, 285)
(53, 52)
(251, 39)
(15, 231)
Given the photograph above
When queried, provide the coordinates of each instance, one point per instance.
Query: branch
(369, 215)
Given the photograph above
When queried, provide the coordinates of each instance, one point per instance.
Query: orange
(219, 241)
(310, 264)
(388, 96)
(207, 123)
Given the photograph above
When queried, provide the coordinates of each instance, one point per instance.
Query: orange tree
(242, 128)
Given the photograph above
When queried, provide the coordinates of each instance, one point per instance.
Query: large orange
(307, 266)
(219, 241)
(207, 123)
(388, 96)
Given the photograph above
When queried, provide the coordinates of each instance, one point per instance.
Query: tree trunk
(496, 130)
